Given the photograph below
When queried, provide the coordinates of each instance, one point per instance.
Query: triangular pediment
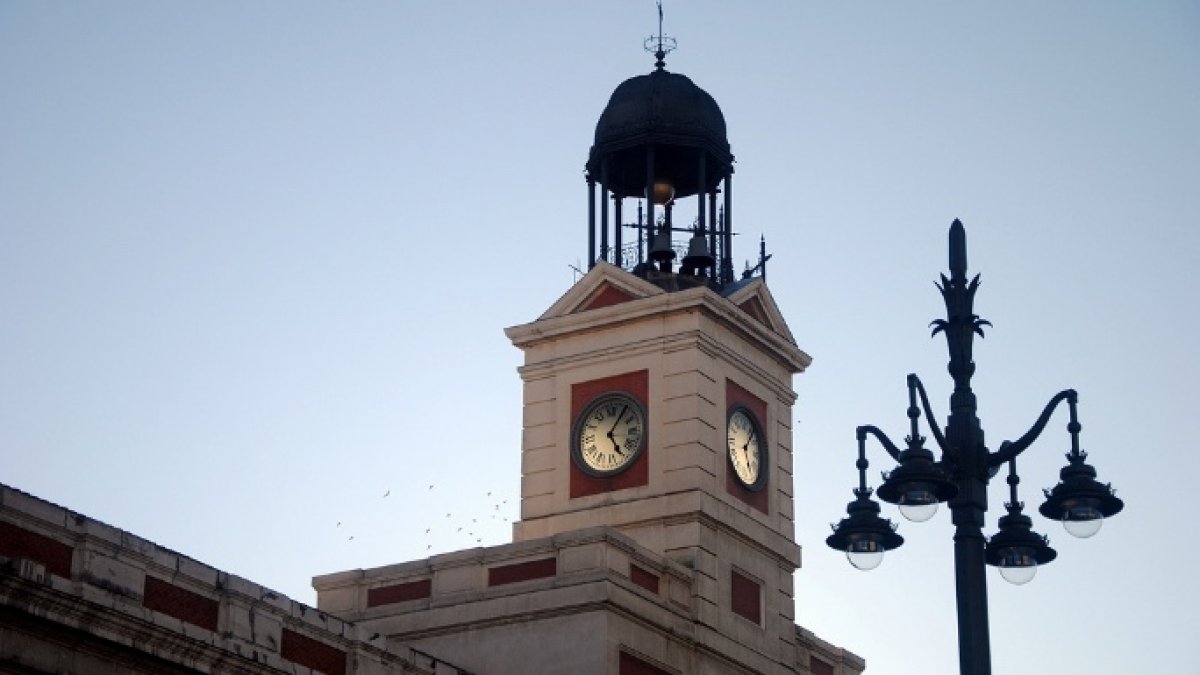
(754, 298)
(608, 295)
(604, 285)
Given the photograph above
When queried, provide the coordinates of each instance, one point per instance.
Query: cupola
(661, 140)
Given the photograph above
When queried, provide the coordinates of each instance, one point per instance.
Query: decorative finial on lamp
(958, 250)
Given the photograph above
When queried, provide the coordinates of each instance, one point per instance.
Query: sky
(256, 259)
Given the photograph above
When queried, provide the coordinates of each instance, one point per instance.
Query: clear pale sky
(256, 259)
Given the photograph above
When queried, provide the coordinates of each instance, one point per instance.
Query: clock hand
(746, 447)
(617, 446)
(614, 426)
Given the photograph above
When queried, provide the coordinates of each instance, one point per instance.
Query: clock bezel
(625, 398)
(760, 481)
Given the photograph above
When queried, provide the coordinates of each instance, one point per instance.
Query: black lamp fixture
(1016, 549)
(960, 477)
(919, 484)
(862, 534)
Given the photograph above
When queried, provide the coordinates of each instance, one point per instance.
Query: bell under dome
(659, 140)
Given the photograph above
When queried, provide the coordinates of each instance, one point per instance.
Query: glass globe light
(865, 554)
(1083, 521)
(1079, 500)
(918, 505)
(1016, 549)
(1018, 567)
(862, 534)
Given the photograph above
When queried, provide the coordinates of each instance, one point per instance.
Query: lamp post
(961, 476)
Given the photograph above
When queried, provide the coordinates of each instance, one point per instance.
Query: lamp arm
(1010, 449)
(886, 442)
(915, 382)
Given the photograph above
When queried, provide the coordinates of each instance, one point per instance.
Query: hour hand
(749, 440)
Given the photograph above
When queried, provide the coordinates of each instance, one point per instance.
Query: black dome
(670, 112)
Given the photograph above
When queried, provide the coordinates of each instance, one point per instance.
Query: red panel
(17, 542)
(819, 667)
(644, 578)
(636, 384)
(608, 295)
(746, 598)
(310, 653)
(632, 665)
(180, 603)
(386, 595)
(524, 571)
(735, 396)
(754, 308)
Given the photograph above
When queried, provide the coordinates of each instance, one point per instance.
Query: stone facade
(585, 601)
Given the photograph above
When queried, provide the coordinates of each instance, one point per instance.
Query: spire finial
(958, 250)
(658, 45)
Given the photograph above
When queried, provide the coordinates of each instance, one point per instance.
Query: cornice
(690, 339)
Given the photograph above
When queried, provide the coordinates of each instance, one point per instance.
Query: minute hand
(746, 447)
(617, 446)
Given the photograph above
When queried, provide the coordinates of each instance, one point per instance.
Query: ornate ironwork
(629, 254)
(962, 473)
(658, 45)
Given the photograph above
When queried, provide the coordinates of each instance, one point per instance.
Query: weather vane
(658, 45)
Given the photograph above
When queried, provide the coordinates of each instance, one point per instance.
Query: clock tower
(657, 395)
(656, 534)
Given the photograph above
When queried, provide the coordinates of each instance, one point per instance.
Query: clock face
(609, 435)
(747, 449)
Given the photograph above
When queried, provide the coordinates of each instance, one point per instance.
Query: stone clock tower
(704, 360)
(657, 527)
(691, 358)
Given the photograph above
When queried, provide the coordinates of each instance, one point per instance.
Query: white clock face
(609, 435)
(746, 448)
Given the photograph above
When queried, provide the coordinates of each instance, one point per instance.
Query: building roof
(663, 109)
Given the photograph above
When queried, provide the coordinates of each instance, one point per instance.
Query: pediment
(604, 285)
(754, 298)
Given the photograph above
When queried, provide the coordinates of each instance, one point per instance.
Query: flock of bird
(470, 528)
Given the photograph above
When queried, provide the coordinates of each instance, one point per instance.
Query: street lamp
(960, 477)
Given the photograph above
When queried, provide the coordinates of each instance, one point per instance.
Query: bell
(697, 258)
(662, 250)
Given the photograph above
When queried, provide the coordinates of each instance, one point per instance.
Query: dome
(668, 111)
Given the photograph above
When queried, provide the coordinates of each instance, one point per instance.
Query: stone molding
(593, 574)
